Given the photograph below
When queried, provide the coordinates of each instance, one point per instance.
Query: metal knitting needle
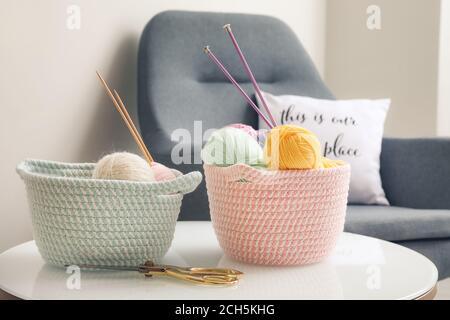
(219, 64)
(227, 27)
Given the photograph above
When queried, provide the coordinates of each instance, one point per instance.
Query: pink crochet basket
(289, 217)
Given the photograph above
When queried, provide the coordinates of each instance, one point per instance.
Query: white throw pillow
(351, 130)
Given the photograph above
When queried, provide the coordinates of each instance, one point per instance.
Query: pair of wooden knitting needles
(118, 103)
(271, 123)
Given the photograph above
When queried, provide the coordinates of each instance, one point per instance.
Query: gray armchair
(178, 85)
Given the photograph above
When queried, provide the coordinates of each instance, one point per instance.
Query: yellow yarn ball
(292, 147)
(331, 163)
(123, 166)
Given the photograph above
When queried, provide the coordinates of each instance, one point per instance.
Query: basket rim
(265, 172)
(27, 171)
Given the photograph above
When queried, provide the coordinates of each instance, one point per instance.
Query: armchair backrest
(177, 84)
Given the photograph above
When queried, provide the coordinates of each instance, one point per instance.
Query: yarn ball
(331, 163)
(246, 128)
(123, 166)
(162, 173)
(228, 146)
(261, 135)
(292, 147)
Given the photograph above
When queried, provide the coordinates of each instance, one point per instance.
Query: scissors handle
(210, 276)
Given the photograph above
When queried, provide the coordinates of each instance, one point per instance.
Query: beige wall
(51, 102)
(399, 61)
(443, 110)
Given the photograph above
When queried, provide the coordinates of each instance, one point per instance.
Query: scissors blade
(103, 267)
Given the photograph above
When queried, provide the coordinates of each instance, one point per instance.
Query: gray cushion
(398, 224)
(416, 172)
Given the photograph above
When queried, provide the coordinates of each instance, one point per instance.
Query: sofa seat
(397, 223)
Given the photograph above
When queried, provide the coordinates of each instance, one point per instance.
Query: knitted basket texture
(288, 217)
(80, 220)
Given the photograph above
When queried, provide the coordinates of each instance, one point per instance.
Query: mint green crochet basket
(80, 220)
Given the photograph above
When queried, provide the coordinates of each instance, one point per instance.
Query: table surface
(359, 268)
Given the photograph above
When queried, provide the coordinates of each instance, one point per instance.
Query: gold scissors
(208, 276)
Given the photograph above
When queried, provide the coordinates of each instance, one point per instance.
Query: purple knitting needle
(227, 27)
(208, 51)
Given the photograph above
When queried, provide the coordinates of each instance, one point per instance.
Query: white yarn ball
(228, 146)
(123, 166)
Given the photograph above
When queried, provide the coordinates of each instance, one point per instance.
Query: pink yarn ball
(162, 173)
(246, 128)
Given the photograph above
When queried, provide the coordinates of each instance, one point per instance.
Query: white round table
(360, 268)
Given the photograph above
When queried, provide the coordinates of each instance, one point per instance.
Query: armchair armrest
(416, 172)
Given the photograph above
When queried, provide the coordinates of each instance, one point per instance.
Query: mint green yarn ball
(228, 146)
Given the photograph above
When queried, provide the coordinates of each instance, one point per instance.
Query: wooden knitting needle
(130, 121)
(137, 137)
(127, 119)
